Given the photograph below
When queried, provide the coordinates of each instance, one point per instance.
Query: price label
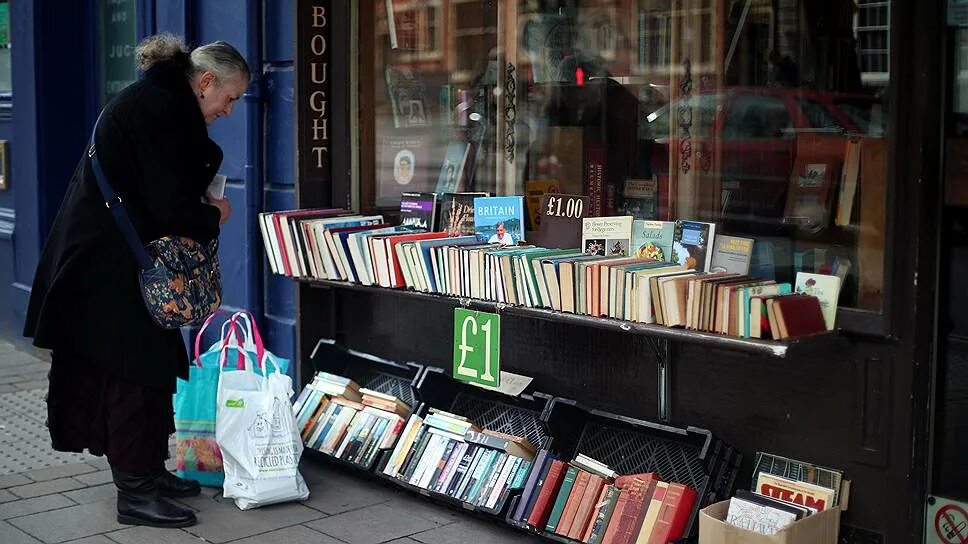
(477, 347)
(572, 207)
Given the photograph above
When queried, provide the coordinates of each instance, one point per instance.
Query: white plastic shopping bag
(256, 431)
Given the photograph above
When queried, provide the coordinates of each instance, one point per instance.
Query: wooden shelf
(819, 343)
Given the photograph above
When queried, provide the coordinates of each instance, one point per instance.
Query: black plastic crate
(371, 372)
(689, 456)
(520, 416)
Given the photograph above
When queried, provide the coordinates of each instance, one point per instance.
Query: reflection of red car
(755, 132)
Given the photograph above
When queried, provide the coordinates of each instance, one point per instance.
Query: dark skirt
(87, 410)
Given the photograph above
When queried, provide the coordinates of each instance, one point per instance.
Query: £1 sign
(477, 347)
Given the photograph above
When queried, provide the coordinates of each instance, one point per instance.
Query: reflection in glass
(767, 117)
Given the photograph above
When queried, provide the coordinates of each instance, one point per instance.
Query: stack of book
(586, 501)
(449, 455)
(337, 417)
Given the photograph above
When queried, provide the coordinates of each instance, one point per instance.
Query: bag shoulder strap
(113, 202)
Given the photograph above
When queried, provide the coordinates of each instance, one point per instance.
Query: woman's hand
(223, 205)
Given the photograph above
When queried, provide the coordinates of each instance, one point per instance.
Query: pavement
(51, 497)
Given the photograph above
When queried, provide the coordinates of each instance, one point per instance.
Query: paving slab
(6, 496)
(62, 471)
(221, 521)
(339, 493)
(70, 523)
(150, 535)
(45, 488)
(10, 480)
(32, 506)
(476, 531)
(93, 494)
(11, 535)
(373, 525)
(290, 535)
(95, 478)
(96, 539)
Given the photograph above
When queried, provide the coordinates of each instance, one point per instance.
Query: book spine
(571, 505)
(456, 456)
(413, 458)
(454, 481)
(604, 515)
(595, 180)
(468, 475)
(441, 463)
(544, 492)
(490, 480)
(562, 499)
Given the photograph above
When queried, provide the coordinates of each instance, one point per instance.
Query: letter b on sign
(477, 347)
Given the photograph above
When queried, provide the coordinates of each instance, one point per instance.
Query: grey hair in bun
(219, 57)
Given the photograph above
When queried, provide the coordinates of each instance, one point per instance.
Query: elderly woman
(113, 369)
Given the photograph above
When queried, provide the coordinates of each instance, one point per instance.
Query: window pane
(729, 109)
(117, 39)
(5, 81)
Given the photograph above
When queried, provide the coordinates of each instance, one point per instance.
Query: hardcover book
(609, 236)
(640, 198)
(691, 243)
(407, 97)
(403, 160)
(802, 493)
(418, 210)
(826, 289)
(499, 219)
(732, 254)
(652, 239)
(595, 160)
(457, 213)
(452, 169)
(811, 191)
(757, 518)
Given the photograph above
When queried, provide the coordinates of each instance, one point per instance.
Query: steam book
(499, 219)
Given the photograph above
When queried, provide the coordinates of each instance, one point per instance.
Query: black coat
(153, 144)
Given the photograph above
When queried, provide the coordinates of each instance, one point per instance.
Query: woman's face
(216, 98)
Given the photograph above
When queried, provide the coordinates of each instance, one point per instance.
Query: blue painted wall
(50, 125)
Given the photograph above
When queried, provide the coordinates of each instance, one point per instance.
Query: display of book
(637, 288)
(337, 417)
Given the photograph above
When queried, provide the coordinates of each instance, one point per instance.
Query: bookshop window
(765, 117)
(117, 39)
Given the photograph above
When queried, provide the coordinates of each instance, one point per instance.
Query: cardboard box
(820, 528)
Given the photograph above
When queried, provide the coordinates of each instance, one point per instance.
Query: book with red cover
(649, 513)
(542, 506)
(574, 500)
(676, 509)
(625, 523)
(600, 503)
(586, 506)
(396, 273)
(625, 480)
(799, 315)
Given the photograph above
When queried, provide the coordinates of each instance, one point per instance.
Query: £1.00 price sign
(477, 347)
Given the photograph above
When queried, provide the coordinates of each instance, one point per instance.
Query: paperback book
(690, 244)
(606, 236)
(457, 213)
(499, 219)
(652, 239)
(418, 210)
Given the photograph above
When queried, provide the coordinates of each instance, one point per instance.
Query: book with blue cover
(452, 169)
(499, 219)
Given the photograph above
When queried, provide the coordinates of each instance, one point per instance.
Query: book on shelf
(609, 236)
(457, 213)
(827, 290)
(418, 210)
(849, 181)
(451, 176)
(640, 198)
(691, 244)
(595, 178)
(732, 254)
(652, 239)
(499, 219)
(811, 191)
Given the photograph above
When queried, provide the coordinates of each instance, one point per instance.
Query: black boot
(173, 487)
(139, 503)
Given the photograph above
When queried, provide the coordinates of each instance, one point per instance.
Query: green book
(482, 474)
(562, 498)
(604, 515)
